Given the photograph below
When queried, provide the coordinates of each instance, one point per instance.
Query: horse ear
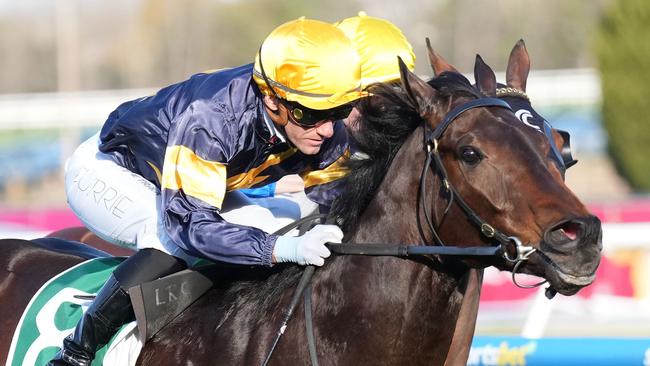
(518, 66)
(484, 76)
(420, 93)
(438, 64)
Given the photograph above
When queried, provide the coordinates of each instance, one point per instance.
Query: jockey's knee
(147, 265)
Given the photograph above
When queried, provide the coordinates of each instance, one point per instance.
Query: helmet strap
(266, 78)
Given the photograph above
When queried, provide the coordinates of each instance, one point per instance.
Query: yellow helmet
(309, 62)
(378, 43)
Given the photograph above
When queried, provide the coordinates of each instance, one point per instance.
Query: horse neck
(397, 295)
(391, 214)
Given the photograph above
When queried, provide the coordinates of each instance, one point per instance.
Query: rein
(305, 280)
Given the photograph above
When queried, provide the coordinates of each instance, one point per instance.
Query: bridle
(433, 160)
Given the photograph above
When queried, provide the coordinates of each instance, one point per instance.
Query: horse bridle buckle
(432, 146)
(488, 230)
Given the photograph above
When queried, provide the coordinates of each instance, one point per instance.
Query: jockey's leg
(239, 209)
(116, 204)
(112, 307)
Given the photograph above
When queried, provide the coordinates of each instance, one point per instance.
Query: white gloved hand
(309, 248)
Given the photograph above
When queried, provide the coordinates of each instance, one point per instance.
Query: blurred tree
(624, 55)
(172, 40)
(152, 43)
(557, 31)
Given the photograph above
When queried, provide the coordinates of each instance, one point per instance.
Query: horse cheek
(492, 185)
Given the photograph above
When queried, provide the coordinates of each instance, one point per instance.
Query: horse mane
(387, 119)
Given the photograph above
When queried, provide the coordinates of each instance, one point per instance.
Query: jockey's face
(308, 139)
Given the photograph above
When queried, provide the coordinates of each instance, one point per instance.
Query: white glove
(309, 248)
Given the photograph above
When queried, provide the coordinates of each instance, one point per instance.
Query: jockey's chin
(309, 140)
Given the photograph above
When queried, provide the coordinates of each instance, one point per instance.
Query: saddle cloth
(54, 311)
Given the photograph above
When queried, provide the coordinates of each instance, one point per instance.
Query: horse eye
(470, 155)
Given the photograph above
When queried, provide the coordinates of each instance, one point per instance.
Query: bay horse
(514, 93)
(389, 310)
(517, 71)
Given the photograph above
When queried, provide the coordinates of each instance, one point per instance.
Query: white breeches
(124, 208)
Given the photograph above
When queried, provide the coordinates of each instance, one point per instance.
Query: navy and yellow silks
(197, 140)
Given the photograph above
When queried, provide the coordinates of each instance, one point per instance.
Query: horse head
(509, 173)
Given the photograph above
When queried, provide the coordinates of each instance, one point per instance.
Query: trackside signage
(514, 351)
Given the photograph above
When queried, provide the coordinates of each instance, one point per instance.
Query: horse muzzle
(569, 254)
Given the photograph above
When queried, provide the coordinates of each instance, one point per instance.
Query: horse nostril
(567, 231)
(575, 236)
(571, 230)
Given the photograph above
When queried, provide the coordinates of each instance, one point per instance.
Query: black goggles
(306, 117)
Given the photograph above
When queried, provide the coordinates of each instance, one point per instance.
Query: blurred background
(66, 64)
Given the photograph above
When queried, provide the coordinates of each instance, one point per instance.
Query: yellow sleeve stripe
(155, 170)
(334, 171)
(252, 177)
(199, 178)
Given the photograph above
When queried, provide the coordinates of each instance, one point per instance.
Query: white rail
(62, 110)
(89, 109)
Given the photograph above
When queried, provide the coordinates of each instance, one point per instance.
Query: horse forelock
(452, 84)
(387, 119)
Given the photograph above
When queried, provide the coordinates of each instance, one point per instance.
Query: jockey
(161, 173)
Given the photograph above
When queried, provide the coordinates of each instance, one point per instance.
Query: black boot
(112, 307)
(108, 312)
